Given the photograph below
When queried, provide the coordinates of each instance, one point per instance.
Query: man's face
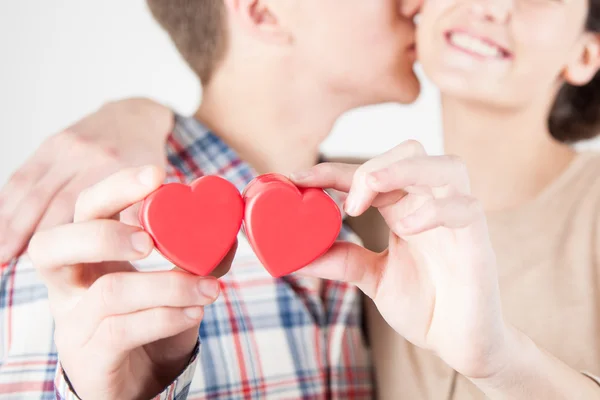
(363, 49)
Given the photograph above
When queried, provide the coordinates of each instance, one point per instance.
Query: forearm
(532, 373)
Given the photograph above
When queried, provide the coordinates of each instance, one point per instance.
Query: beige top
(548, 261)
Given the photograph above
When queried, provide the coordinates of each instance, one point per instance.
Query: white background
(61, 59)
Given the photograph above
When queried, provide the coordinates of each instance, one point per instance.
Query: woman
(519, 80)
(437, 283)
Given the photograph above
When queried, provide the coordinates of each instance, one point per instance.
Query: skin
(436, 284)
(430, 204)
(42, 192)
(138, 343)
(292, 36)
(292, 69)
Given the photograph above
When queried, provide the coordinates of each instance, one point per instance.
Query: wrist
(527, 371)
(506, 360)
(168, 370)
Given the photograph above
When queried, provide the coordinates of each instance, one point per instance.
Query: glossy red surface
(194, 226)
(288, 227)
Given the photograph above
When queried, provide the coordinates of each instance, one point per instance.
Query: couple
(480, 274)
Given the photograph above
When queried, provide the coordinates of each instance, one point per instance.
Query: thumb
(351, 263)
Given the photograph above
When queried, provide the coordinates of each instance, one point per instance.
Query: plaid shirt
(263, 338)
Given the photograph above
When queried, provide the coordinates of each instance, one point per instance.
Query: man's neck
(511, 156)
(276, 125)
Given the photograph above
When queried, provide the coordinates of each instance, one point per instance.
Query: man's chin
(411, 94)
(405, 90)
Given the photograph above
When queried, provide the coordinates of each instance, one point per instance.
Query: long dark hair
(575, 114)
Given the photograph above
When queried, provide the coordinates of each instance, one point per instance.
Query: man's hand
(41, 193)
(120, 334)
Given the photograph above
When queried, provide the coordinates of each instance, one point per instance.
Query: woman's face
(506, 53)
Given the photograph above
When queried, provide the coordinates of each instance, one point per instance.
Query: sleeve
(178, 389)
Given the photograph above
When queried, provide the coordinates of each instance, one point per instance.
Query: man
(275, 75)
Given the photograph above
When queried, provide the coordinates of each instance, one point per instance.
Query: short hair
(575, 114)
(198, 30)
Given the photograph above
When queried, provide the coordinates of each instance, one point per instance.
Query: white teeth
(474, 45)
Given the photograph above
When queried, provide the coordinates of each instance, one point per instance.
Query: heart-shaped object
(194, 226)
(288, 227)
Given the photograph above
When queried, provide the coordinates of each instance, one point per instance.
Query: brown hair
(197, 28)
(576, 111)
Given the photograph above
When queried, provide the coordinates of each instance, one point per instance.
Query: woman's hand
(436, 284)
(42, 192)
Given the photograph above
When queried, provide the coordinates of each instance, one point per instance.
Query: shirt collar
(193, 151)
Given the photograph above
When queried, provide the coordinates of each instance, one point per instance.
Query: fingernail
(300, 175)
(209, 287)
(350, 205)
(193, 312)
(146, 176)
(141, 242)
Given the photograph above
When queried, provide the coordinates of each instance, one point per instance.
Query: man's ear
(259, 18)
(584, 67)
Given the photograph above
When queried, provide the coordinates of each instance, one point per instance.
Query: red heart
(194, 226)
(288, 227)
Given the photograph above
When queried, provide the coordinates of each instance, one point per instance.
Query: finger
(434, 172)
(18, 223)
(18, 185)
(24, 178)
(42, 174)
(129, 292)
(89, 242)
(35, 207)
(351, 178)
(361, 194)
(60, 211)
(387, 199)
(351, 263)
(346, 178)
(122, 333)
(337, 176)
(117, 192)
(453, 213)
(62, 208)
